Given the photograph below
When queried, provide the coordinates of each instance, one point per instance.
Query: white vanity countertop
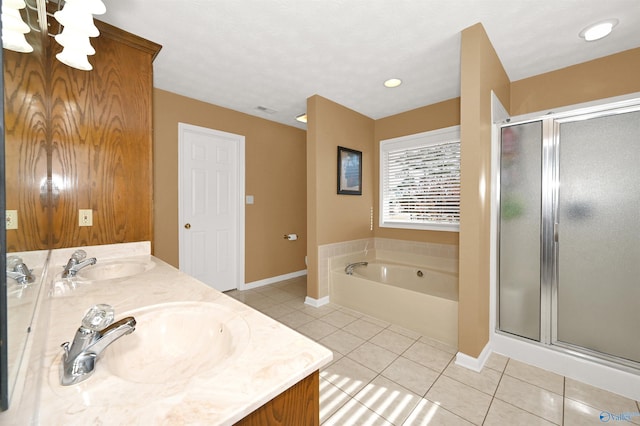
(275, 357)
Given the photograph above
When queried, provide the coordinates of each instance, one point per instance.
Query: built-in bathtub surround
(415, 291)
(401, 251)
(328, 251)
(266, 358)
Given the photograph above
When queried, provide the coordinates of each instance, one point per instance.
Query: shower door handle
(555, 232)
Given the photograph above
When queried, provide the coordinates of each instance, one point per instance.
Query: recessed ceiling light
(598, 30)
(393, 82)
(302, 117)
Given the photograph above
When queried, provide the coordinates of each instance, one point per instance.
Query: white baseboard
(316, 303)
(272, 280)
(472, 363)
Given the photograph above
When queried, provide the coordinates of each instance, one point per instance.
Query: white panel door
(211, 216)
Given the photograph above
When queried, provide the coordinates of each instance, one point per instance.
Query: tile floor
(382, 374)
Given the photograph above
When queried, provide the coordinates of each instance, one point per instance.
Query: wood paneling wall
(80, 140)
(26, 148)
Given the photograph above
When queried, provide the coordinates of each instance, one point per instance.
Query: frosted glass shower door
(519, 238)
(598, 214)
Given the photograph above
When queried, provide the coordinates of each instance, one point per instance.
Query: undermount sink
(110, 270)
(176, 341)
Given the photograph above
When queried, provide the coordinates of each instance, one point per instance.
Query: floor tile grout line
(594, 405)
(424, 396)
(493, 397)
(533, 384)
(352, 398)
(295, 302)
(504, 373)
(349, 398)
(380, 374)
(414, 340)
(467, 384)
(526, 411)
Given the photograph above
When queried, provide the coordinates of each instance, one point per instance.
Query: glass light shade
(95, 7)
(393, 82)
(15, 41)
(14, 4)
(75, 40)
(77, 17)
(600, 30)
(11, 20)
(74, 58)
(14, 28)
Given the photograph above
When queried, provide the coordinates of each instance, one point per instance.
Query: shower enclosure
(569, 232)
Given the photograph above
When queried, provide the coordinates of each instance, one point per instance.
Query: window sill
(422, 226)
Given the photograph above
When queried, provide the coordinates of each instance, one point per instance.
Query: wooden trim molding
(125, 37)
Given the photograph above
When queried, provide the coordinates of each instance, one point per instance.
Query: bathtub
(419, 299)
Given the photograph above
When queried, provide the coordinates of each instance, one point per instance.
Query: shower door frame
(549, 227)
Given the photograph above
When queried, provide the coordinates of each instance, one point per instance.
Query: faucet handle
(12, 262)
(79, 255)
(98, 317)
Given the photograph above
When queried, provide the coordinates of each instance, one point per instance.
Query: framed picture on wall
(349, 171)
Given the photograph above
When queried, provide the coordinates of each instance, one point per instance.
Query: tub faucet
(349, 268)
(19, 271)
(96, 333)
(77, 262)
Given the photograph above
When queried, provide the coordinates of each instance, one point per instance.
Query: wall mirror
(4, 362)
(72, 143)
(18, 139)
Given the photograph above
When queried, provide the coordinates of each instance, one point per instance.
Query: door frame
(240, 151)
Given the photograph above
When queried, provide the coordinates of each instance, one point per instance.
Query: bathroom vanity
(196, 355)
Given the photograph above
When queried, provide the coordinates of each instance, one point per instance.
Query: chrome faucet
(77, 262)
(19, 271)
(96, 333)
(349, 267)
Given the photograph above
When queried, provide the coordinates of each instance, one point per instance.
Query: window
(420, 181)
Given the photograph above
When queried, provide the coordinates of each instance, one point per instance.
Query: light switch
(249, 199)
(12, 219)
(86, 217)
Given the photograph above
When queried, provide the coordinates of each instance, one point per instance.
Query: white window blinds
(420, 181)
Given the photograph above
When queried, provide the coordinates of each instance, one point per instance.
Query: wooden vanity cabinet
(298, 405)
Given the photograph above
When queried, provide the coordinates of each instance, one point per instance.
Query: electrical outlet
(86, 217)
(12, 219)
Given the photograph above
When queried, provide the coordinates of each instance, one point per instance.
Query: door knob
(187, 226)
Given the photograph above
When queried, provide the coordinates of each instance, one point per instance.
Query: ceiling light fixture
(598, 30)
(393, 82)
(77, 19)
(302, 117)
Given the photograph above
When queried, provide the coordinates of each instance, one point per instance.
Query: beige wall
(601, 78)
(334, 218)
(481, 72)
(275, 175)
(431, 117)
(276, 153)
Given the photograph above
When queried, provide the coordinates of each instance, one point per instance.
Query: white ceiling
(241, 54)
